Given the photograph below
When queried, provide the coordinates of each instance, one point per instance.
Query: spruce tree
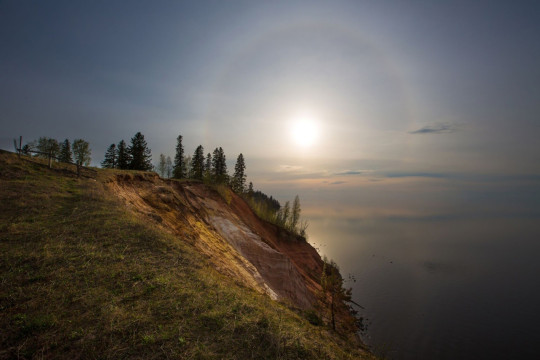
(65, 152)
(250, 188)
(239, 177)
(141, 156)
(111, 158)
(208, 167)
(197, 164)
(123, 156)
(179, 165)
(219, 166)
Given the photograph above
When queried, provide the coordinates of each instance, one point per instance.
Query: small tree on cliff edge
(295, 214)
(141, 156)
(333, 293)
(179, 166)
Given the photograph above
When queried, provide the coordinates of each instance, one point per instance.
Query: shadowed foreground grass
(81, 277)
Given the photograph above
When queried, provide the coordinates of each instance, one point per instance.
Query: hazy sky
(439, 99)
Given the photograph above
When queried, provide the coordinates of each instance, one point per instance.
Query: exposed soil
(239, 244)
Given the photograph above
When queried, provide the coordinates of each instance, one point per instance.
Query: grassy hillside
(82, 277)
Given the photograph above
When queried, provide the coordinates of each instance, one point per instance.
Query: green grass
(81, 277)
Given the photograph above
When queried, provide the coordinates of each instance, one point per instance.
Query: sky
(415, 108)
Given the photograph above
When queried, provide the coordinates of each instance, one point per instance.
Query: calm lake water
(441, 289)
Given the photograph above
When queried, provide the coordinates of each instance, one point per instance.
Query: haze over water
(450, 288)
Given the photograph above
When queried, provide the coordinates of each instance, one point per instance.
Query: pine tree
(111, 158)
(219, 166)
(179, 165)
(208, 167)
(239, 177)
(123, 156)
(197, 164)
(169, 167)
(65, 152)
(141, 156)
(250, 189)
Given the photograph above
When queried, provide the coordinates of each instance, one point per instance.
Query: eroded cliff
(239, 244)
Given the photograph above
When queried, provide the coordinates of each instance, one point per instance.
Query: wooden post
(20, 146)
(50, 158)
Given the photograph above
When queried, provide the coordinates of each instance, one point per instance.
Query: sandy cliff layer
(257, 253)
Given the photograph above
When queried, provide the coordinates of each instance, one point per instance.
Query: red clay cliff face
(239, 244)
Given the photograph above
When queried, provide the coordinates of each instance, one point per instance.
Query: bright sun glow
(304, 131)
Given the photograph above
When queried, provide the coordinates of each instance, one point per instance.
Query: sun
(304, 131)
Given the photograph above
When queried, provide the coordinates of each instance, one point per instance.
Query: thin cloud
(353, 172)
(436, 129)
(338, 182)
(416, 174)
(289, 168)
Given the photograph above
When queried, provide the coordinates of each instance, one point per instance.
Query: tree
(295, 214)
(185, 165)
(239, 177)
(141, 156)
(168, 167)
(162, 166)
(82, 152)
(333, 292)
(219, 166)
(208, 167)
(48, 147)
(179, 165)
(250, 189)
(123, 156)
(197, 164)
(284, 214)
(65, 152)
(111, 158)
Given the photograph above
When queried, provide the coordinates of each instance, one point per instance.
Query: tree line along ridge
(210, 169)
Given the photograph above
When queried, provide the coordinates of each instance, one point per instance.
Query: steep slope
(83, 276)
(240, 245)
